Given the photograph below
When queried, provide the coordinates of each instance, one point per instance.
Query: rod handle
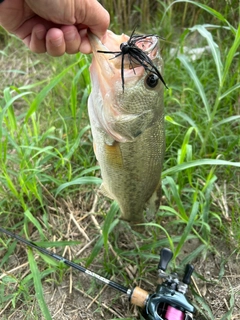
(139, 297)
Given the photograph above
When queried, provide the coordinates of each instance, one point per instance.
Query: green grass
(46, 155)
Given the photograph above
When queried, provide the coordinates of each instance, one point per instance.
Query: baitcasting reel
(167, 303)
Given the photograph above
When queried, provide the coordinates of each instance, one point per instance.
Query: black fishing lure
(135, 56)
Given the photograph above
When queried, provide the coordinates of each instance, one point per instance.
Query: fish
(126, 112)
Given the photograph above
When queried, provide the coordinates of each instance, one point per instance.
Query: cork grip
(139, 297)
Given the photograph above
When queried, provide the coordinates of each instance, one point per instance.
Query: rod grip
(139, 297)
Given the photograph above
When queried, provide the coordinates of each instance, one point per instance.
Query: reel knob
(188, 273)
(165, 257)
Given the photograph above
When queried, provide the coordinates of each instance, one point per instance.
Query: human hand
(54, 26)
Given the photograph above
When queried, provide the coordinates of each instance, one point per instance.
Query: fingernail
(57, 42)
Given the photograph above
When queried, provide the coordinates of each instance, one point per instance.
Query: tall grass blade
(214, 49)
(187, 229)
(50, 261)
(10, 184)
(184, 60)
(169, 238)
(208, 188)
(38, 286)
(9, 252)
(108, 222)
(191, 122)
(80, 181)
(11, 116)
(196, 163)
(172, 121)
(173, 187)
(89, 170)
(231, 54)
(77, 142)
(227, 120)
(184, 147)
(35, 222)
(230, 90)
(204, 309)
(56, 244)
(229, 314)
(8, 104)
(95, 251)
(44, 92)
(193, 255)
(104, 237)
(208, 9)
(9, 101)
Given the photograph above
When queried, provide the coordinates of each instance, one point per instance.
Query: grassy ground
(49, 176)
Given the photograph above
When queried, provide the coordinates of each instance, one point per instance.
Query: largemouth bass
(127, 121)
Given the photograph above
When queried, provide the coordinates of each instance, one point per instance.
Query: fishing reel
(169, 301)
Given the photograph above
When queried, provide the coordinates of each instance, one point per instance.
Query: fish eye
(151, 81)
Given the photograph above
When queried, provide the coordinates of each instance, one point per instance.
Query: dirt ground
(78, 296)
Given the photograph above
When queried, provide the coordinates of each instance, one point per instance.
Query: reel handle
(165, 257)
(188, 273)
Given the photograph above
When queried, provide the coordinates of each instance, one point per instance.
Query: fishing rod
(168, 302)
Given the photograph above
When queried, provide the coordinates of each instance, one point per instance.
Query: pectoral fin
(113, 162)
(113, 155)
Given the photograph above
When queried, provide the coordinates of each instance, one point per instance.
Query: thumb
(95, 17)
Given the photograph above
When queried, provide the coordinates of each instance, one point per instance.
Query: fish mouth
(110, 42)
(112, 59)
(106, 62)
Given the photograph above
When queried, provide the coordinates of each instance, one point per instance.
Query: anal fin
(106, 192)
(153, 202)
